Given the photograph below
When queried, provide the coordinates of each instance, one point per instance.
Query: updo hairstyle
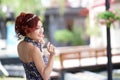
(25, 23)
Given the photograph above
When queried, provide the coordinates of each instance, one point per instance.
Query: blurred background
(68, 24)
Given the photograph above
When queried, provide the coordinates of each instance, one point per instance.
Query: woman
(37, 66)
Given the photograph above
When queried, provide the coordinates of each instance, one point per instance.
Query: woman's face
(38, 33)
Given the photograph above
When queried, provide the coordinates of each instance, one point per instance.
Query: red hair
(25, 23)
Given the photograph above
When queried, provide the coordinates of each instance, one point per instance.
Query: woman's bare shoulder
(25, 44)
(26, 51)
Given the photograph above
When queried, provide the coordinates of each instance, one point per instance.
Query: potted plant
(108, 17)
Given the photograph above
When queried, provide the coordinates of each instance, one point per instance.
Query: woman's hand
(42, 42)
(51, 49)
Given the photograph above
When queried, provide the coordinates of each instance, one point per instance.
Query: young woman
(37, 66)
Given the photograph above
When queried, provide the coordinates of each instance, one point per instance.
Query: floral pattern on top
(30, 68)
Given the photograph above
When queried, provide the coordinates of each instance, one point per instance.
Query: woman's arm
(43, 69)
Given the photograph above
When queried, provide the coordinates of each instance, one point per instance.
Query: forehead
(40, 23)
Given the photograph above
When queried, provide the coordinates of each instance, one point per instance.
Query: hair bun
(20, 18)
(18, 22)
(22, 14)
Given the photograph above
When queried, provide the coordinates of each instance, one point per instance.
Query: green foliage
(66, 36)
(93, 31)
(108, 17)
(63, 36)
(24, 6)
(77, 37)
(117, 15)
(61, 7)
(2, 15)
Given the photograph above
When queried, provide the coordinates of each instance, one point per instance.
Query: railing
(82, 52)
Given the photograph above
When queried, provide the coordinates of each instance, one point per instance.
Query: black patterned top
(30, 68)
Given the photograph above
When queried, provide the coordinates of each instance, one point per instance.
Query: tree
(18, 6)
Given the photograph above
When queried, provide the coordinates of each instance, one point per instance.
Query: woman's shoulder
(28, 47)
(26, 51)
(20, 44)
(25, 47)
(25, 44)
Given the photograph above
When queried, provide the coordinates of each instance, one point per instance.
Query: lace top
(30, 68)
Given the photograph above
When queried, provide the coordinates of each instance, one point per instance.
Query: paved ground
(12, 78)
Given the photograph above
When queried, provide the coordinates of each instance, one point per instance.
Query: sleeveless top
(30, 68)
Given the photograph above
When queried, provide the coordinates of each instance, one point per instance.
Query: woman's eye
(37, 28)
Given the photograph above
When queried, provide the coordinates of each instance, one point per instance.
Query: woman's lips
(41, 35)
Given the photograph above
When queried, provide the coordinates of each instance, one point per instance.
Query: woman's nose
(42, 29)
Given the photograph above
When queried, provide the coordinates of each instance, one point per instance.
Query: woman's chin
(41, 41)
